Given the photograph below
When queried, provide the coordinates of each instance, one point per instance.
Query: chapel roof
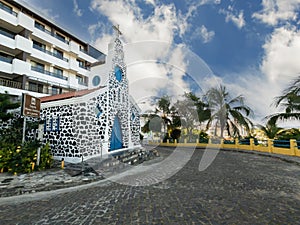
(72, 94)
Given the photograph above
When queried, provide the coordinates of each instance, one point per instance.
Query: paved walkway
(236, 188)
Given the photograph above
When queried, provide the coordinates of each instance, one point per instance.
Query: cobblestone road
(236, 189)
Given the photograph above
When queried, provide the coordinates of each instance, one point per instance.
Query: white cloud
(162, 25)
(282, 52)
(151, 2)
(279, 66)
(203, 34)
(148, 41)
(237, 18)
(204, 2)
(276, 11)
(76, 9)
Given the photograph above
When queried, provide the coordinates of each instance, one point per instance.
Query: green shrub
(22, 159)
(46, 158)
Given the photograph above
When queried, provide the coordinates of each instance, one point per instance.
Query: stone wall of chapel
(134, 124)
(60, 135)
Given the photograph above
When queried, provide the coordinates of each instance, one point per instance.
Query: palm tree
(164, 108)
(271, 130)
(227, 113)
(290, 101)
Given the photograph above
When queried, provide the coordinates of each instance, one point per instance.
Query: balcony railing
(8, 9)
(50, 33)
(6, 59)
(40, 70)
(10, 83)
(50, 53)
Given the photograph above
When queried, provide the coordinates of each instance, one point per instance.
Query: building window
(58, 53)
(80, 79)
(5, 57)
(83, 49)
(96, 80)
(98, 111)
(39, 45)
(6, 8)
(56, 90)
(60, 37)
(35, 87)
(7, 33)
(39, 25)
(52, 125)
(81, 64)
(39, 67)
(58, 71)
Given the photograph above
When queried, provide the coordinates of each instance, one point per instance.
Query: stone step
(110, 164)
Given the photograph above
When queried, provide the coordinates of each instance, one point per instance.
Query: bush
(22, 159)
(203, 137)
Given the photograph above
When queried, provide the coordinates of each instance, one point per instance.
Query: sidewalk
(72, 175)
(38, 181)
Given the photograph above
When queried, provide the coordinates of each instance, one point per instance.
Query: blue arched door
(116, 135)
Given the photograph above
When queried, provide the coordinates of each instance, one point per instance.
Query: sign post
(31, 107)
(24, 129)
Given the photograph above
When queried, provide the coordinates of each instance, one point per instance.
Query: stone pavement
(51, 179)
(72, 175)
(236, 188)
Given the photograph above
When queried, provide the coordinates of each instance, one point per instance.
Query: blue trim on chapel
(116, 141)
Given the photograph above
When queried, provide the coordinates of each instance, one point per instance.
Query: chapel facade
(101, 120)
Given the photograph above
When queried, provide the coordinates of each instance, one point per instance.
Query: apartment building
(39, 57)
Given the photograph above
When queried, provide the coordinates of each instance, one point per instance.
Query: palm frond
(282, 116)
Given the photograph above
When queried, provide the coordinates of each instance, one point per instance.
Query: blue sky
(252, 46)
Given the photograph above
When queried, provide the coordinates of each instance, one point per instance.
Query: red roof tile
(67, 95)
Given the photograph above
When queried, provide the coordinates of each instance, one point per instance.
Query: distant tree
(227, 112)
(175, 134)
(191, 111)
(5, 106)
(271, 130)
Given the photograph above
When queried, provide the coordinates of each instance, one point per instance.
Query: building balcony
(12, 41)
(85, 55)
(43, 71)
(10, 83)
(51, 33)
(50, 53)
(15, 88)
(19, 20)
(75, 67)
(11, 65)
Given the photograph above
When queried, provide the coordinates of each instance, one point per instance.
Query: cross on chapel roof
(117, 30)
